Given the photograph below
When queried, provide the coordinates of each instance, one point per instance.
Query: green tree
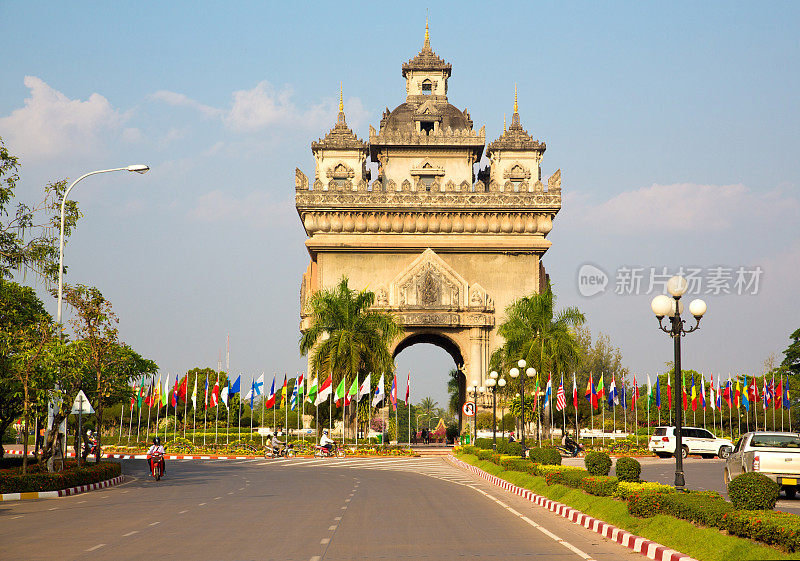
(346, 338)
(791, 362)
(426, 408)
(453, 391)
(29, 233)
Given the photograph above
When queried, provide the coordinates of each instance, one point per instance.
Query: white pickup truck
(775, 454)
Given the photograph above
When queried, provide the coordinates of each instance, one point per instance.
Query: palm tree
(357, 340)
(427, 408)
(453, 391)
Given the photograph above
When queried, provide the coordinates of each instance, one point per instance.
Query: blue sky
(675, 127)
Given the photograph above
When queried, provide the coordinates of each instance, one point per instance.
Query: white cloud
(257, 209)
(685, 207)
(265, 106)
(181, 100)
(50, 123)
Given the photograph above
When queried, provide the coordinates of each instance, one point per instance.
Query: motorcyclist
(156, 448)
(276, 444)
(326, 442)
(571, 445)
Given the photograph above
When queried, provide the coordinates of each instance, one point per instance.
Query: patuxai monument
(444, 243)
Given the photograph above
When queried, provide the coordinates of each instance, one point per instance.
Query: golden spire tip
(516, 106)
(504, 123)
(341, 99)
(427, 33)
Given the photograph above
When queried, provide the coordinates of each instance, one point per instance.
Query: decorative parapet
(447, 136)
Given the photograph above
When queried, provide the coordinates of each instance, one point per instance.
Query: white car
(694, 440)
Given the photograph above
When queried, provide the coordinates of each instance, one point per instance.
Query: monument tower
(444, 243)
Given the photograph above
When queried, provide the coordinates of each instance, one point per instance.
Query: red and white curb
(638, 544)
(62, 492)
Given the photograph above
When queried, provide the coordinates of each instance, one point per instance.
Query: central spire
(427, 44)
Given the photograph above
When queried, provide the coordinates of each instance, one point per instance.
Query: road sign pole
(78, 453)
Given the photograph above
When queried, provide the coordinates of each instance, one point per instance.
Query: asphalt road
(300, 509)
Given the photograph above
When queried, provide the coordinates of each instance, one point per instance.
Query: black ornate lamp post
(475, 410)
(663, 305)
(530, 373)
(492, 383)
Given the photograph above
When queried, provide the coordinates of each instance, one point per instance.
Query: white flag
(167, 391)
(364, 388)
(711, 395)
(649, 391)
(224, 393)
(379, 393)
(194, 394)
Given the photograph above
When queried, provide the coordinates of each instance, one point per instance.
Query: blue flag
(293, 401)
(624, 402)
(786, 403)
(252, 393)
(745, 399)
(234, 387)
(658, 392)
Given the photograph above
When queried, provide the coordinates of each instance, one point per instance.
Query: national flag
(380, 394)
(234, 387)
(224, 393)
(745, 397)
(622, 395)
(658, 392)
(561, 398)
(669, 392)
(184, 388)
(364, 388)
(205, 397)
(311, 395)
(600, 390)
(352, 393)
(285, 390)
(251, 395)
(589, 391)
(703, 391)
(393, 395)
(752, 390)
(779, 394)
(156, 397)
(634, 394)
(142, 394)
(339, 394)
(787, 404)
(712, 399)
(270, 403)
(295, 395)
(727, 394)
(134, 394)
(194, 393)
(325, 390)
(165, 395)
(214, 394)
(300, 385)
(548, 390)
(574, 392)
(408, 387)
(694, 394)
(767, 394)
(613, 397)
(683, 391)
(650, 396)
(175, 393)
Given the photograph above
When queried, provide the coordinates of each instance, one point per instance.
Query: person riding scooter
(571, 445)
(326, 442)
(156, 450)
(277, 445)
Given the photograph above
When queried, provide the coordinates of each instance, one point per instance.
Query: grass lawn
(706, 544)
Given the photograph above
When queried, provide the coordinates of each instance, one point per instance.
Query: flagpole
(194, 411)
(130, 428)
(166, 414)
(286, 410)
(139, 422)
(216, 413)
(121, 418)
(158, 410)
(240, 413)
(205, 411)
(185, 404)
(149, 408)
(177, 401)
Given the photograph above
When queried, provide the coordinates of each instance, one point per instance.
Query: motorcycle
(570, 451)
(156, 461)
(284, 452)
(322, 452)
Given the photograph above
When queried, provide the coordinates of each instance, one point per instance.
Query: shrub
(510, 448)
(569, 476)
(483, 443)
(645, 504)
(753, 491)
(626, 488)
(72, 476)
(597, 463)
(545, 456)
(706, 507)
(599, 485)
(516, 464)
(484, 454)
(469, 450)
(628, 469)
(780, 529)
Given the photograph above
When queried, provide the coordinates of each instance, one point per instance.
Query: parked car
(775, 454)
(694, 441)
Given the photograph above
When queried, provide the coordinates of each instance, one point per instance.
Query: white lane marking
(79, 502)
(54, 508)
(130, 533)
(217, 498)
(155, 523)
(98, 546)
(332, 528)
(13, 517)
(344, 508)
(183, 512)
(325, 541)
(241, 488)
(202, 504)
(315, 558)
(338, 518)
(231, 493)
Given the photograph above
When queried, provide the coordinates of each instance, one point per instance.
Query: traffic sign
(468, 409)
(81, 404)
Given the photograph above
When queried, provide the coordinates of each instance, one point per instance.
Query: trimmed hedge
(628, 469)
(599, 485)
(13, 482)
(645, 504)
(753, 491)
(517, 464)
(597, 463)
(701, 507)
(627, 488)
(545, 456)
(571, 477)
(780, 529)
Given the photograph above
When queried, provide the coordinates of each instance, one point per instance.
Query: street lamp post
(663, 305)
(492, 383)
(530, 373)
(475, 412)
(138, 168)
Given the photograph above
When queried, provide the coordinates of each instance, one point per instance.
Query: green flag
(340, 389)
(353, 391)
(312, 391)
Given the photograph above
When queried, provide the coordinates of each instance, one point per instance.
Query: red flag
(214, 399)
(174, 400)
(634, 394)
(408, 387)
(183, 388)
(669, 392)
(574, 391)
(778, 401)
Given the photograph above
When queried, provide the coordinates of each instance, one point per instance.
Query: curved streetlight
(662, 306)
(530, 373)
(474, 387)
(137, 168)
(493, 383)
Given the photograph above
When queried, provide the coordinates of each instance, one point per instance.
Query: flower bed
(37, 479)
